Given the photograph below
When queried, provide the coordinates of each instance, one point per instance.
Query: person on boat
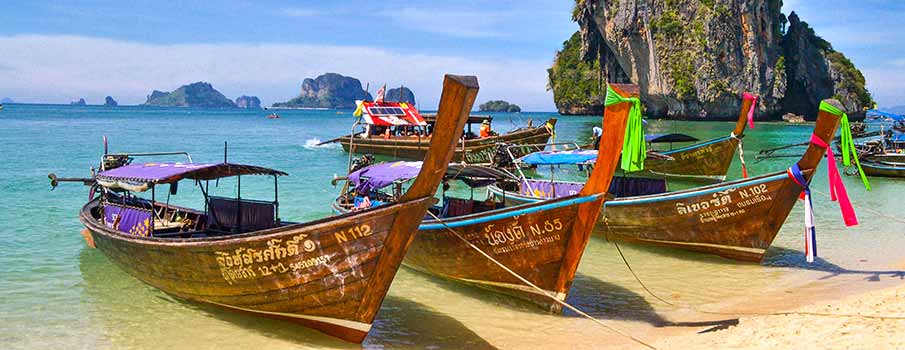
(598, 132)
(485, 129)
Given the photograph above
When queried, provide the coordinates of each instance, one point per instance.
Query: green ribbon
(849, 151)
(634, 149)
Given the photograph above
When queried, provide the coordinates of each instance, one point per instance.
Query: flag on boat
(390, 114)
(381, 93)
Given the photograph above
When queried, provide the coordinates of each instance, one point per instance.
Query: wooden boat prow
(737, 219)
(708, 160)
(542, 242)
(330, 274)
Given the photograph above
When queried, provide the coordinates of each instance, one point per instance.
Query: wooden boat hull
(713, 219)
(474, 151)
(883, 169)
(330, 275)
(703, 161)
(539, 242)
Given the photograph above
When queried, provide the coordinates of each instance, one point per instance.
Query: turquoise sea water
(57, 293)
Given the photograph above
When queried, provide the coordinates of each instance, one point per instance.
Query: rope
(741, 156)
(532, 285)
(788, 313)
(868, 209)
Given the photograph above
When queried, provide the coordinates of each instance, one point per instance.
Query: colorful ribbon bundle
(837, 193)
(753, 98)
(848, 145)
(810, 232)
(634, 149)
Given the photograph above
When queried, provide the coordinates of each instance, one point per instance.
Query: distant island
(697, 57)
(499, 106)
(402, 94)
(248, 102)
(329, 90)
(110, 102)
(80, 102)
(7, 100)
(200, 94)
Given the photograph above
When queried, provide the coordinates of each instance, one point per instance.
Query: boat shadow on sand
(791, 258)
(593, 296)
(121, 299)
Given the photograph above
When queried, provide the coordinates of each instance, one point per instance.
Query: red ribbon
(753, 99)
(837, 188)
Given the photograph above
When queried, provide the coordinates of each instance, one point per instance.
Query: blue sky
(54, 52)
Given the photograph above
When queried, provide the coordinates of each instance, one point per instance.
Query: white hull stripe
(709, 245)
(359, 326)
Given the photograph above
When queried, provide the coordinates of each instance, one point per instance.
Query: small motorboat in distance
(273, 116)
(330, 274)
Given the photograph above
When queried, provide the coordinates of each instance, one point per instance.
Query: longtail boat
(708, 160)
(330, 274)
(542, 242)
(883, 169)
(736, 220)
(398, 129)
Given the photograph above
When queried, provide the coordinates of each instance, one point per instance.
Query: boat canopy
(875, 112)
(559, 157)
(666, 138)
(389, 113)
(140, 177)
(385, 174)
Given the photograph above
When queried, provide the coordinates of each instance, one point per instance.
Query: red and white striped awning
(389, 113)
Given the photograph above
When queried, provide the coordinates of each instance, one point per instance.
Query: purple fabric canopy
(153, 172)
(383, 174)
(139, 177)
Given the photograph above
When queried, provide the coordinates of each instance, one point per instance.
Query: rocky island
(400, 94)
(80, 102)
(694, 58)
(110, 102)
(499, 106)
(329, 90)
(7, 100)
(248, 102)
(198, 94)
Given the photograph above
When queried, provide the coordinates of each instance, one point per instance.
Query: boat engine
(362, 162)
(501, 158)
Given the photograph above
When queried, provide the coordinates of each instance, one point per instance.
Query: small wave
(314, 143)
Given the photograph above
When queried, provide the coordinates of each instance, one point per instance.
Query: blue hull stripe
(672, 195)
(508, 214)
(721, 139)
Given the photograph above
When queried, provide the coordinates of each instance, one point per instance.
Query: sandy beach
(811, 331)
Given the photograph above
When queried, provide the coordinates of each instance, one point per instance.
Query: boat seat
(453, 207)
(255, 215)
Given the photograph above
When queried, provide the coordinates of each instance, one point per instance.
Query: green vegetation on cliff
(574, 81)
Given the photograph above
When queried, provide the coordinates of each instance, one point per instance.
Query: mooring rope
(544, 292)
(872, 211)
(744, 313)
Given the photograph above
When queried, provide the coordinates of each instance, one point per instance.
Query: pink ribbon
(837, 188)
(753, 99)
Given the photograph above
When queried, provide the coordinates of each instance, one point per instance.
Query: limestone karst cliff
(693, 58)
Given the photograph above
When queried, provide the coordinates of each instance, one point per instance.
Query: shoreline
(803, 327)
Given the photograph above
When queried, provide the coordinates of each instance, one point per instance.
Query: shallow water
(55, 292)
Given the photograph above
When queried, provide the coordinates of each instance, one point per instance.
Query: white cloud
(42, 68)
(456, 23)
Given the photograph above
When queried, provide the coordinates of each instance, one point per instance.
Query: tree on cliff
(575, 82)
